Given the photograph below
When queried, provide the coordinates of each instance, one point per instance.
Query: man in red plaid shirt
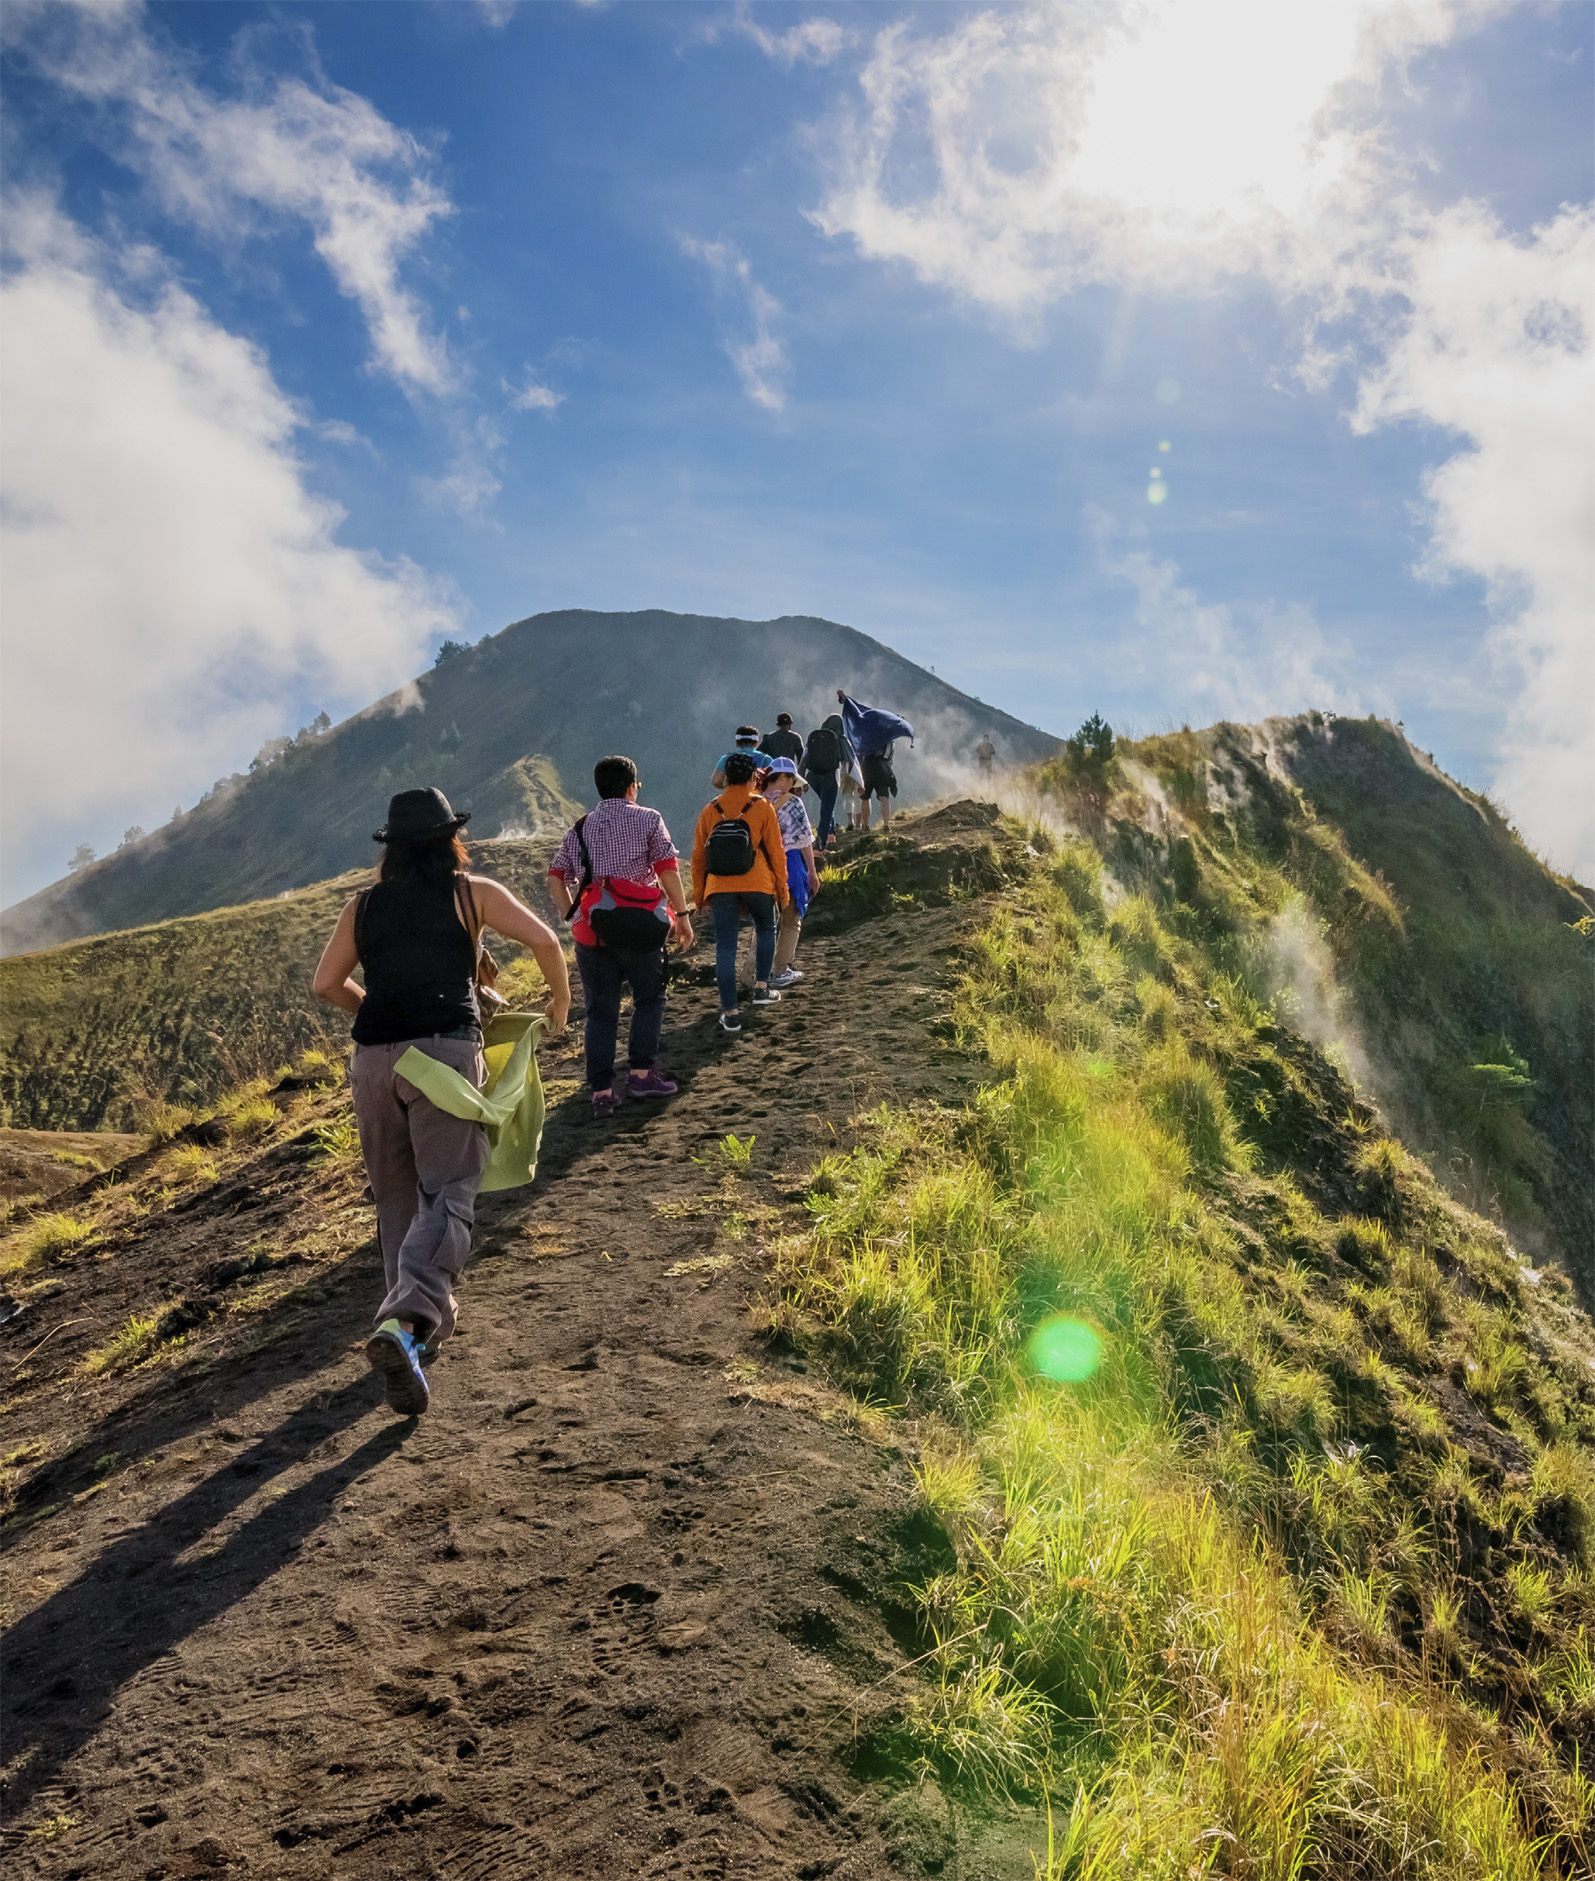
(630, 865)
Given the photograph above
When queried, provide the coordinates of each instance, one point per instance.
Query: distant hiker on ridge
(618, 875)
(825, 756)
(739, 867)
(985, 757)
(873, 730)
(802, 878)
(747, 740)
(418, 934)
(783, 742)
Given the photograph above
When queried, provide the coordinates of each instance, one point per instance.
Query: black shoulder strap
(586, 881)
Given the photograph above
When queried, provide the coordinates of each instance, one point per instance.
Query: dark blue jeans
(728, 912)
(603, 974)
(825, 788)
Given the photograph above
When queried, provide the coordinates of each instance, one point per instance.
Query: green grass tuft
(46, 1237)
(132, 1344)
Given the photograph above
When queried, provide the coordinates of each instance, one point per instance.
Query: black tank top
(420, 964)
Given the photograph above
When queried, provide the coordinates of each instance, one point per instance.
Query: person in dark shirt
(417, 933)
(783, 742)
(827, 759)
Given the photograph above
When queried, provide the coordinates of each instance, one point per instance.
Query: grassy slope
(100, 1033)
(667, 688)
(1297, 1583)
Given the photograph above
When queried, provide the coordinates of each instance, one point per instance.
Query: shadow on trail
(65, 1662)
(220, 1389)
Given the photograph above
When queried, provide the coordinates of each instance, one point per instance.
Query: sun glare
(1065, 1350)
(1206, 114)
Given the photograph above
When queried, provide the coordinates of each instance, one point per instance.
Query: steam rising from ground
(1299, 976)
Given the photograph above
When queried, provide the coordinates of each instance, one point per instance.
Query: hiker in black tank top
(417, 934)
(419, 960)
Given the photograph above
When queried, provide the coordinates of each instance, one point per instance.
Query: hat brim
(452, 827)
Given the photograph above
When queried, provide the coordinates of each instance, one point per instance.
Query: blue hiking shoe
(395, 1355)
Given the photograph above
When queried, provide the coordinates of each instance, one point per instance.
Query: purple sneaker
(651, 1084)
(605, 1104)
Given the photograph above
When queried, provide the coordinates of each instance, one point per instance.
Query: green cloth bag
(511, 1107)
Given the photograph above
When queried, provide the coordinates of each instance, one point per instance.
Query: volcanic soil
(619, 1605)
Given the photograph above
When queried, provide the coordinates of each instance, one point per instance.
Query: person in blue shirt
(747, 740)
(871, 731)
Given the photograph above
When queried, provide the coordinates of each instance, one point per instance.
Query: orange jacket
(768, 874)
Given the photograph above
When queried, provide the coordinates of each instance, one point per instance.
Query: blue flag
(871, 728)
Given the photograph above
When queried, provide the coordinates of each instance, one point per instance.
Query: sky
(1173, 359)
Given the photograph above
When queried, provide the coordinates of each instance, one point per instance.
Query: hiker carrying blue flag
(872, 731)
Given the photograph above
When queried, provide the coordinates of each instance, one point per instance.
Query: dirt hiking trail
(614, 1607)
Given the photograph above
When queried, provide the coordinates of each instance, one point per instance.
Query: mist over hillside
(510, 729)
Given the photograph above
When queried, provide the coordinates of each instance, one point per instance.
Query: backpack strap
(586, 881)
(465, 902)
(484, 966)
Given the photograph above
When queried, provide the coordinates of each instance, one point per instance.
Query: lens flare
(1168, 391)
(1157, 492)
(1064, 1349)
(1164, 445)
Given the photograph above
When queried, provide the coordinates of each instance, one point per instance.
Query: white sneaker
(789, 976)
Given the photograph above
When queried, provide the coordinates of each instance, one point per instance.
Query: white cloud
(1166, 145)
(172, 590)
(1497, 346)
(534, 396)
(814, 41)
(471, 480)
(496, 13)
(340, 431)
(286, 147)
(1155, 143)
(760, 362)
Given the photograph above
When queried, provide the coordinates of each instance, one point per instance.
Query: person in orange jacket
(739, 867)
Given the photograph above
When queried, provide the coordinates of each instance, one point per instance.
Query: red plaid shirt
(626, 841)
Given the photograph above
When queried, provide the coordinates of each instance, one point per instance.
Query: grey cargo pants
(423, 1166)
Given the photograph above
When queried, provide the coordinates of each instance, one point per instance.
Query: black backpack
(825, 750)
(729, 850)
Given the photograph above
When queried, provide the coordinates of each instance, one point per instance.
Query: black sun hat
(415, 816)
